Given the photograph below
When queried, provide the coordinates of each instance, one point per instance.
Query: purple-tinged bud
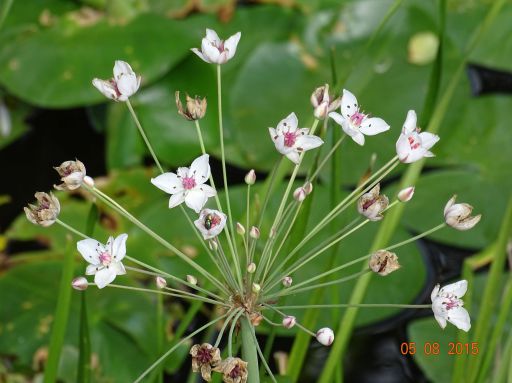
(80, 283)
(287, 281)
(299, 194)
(325, 336)
(161, 283)
(250, 178)
(308, 187)
(240, 229)
(255, 232)
(406, 194)
(289, 321)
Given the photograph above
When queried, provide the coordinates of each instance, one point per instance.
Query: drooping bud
(45, 212)
(250, 178)
(161, 283)
(458, 215)
(308, 187)
(255, 232)
(195, 109)
(251, 268)
(372, 204)
(287, 281)
(323, 102)
(325, 336)
(299, 194)
(406, 194)
(384, 262)
(289, 321)
(256, 288)
(191, 279)
(80, 283)
(71, 174)
(240, 229)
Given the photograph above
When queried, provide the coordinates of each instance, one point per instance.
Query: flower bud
(299, 194)
(406, 194)
(256, 288)
(89, 181)
(123, 85)
(371, 204)
(251, 268)
(161, 283)
(384, 262)
(255, 232)
(325, 336)
(458, 215)
(250, 178)
(191, 279)
(213, 245)
(308, 187)
(45, 212)
(240, 229)
(321, 101)
(255, 318)
(289, 321)
(287, 281)
(80, 283)
(196, 107)
(71, 174)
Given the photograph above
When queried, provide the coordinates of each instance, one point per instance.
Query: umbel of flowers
(253, 272)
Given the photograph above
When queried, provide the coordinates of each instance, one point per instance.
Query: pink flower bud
(325, 336)
(289, 321)
(299, 194)
(161, 283)
(250, 178)
(406, 194)
(287, 281)
(240, 229)
(191, 279)
(255, 232)
(89, 181)
(80, 283)
(308, 187)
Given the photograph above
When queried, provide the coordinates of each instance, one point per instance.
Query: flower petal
(441, 320)
(293, 156)
(308, 142)
(273, 134)
(119, 247)
(88, 248)
(201, 56)
(288, 124)
(118, 267)
(176, 199)
(212, 36)
(459, 316)
(122, 68)
(410, 122)
(231, 43)
(92, 269)
(168, 182)
(373, 126)
(434, 293)
(428, 139)
(338, 118)
(200, 169)
(128, 85)
(210, 51)
(207, 189)
(106, 88)
(358, 138)
(195, 199)
(415, 155)
(458, 288)
(349, 104)
(104, 276)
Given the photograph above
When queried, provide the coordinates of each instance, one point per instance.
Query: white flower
(210, 223)
(123, 85)
(458, 215)
(217, 51)
(105, 260)
(188, 184)
(354, 123)
(325, 336)
(413, 145)
(323, 102)
(447, 305)
(291, 141)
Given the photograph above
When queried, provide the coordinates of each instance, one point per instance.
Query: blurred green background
(51, 49)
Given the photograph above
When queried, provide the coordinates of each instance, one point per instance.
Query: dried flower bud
(287, 281)
(289, 321)
(256, 288)
(240, 229)
(308, 187)
(45, 212)
(196, 107)
(299, 194)
(191, 279)
(325, 336)
(161, 283)
(71, 174)
(205, 358)
(371, 204)
(255, 318)
(213, 245)
(251, 268)
(250, 178)
(80, 283)
(406, 194)
(323, 102)
(255, 232)
(384, 262)
(234, 370)
(458, 215)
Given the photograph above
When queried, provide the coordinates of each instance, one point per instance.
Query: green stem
(348, 305)
(262, 357)
(232, 330)
(249, 347)
(144, 137)
(226, 323)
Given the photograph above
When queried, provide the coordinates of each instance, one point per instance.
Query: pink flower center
(357, 118)
(414, 143)
(188, 183)
(289, 139)
(105, 258)
(452, 303)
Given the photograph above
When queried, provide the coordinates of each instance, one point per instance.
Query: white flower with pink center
(447, 305)
(188, 184)
(123, 85)
(413, 145)
(217, 51)
(105, 260)
(210, 223)
(291, 141)
(355, 123)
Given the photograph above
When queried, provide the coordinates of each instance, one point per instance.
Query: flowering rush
(253, 264)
